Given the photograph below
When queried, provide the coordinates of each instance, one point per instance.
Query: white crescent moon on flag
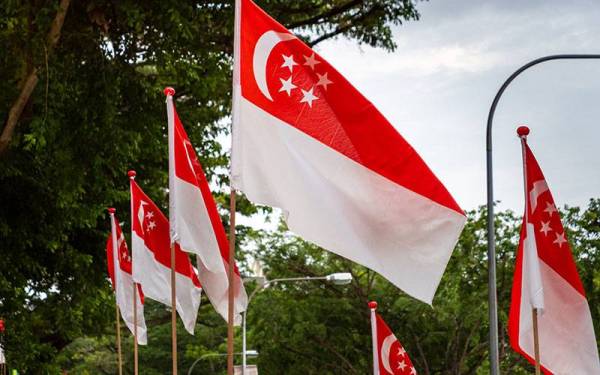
(385, 352)
(262, 50)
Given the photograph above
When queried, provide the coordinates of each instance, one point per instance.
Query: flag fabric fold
(152, 259)
(195, 222)
(306, 141)
(546, 278)
(389, 356)
(120, 273)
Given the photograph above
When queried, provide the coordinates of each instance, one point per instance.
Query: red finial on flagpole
(131, 174)
(523, 131)
(169, 91)
(373, 305)
(111, 210)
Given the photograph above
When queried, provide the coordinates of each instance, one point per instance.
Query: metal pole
(492, 294)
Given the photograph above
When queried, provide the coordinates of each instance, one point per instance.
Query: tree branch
(31, 81)
(332, 12)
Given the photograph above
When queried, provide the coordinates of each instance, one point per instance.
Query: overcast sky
(437, 87)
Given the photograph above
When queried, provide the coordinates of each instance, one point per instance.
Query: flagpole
(115, 250)
(135, 331)
(523, 131)
(169, 92)
(119, 356)
(373, 307)
(173, 310)
(232, 199)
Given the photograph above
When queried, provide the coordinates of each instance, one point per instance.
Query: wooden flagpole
(523, 131)
(135, 331)
(119, 355)
(230, 280)
(173, 310)
(536, 341)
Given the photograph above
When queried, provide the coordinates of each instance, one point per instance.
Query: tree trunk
(16, 110)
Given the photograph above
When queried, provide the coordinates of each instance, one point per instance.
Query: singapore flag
(306, 141)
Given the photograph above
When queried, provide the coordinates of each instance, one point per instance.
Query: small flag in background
(119, 270)
(152, 259)
(389, 356)
(546, 278)
(306, 141)
(195, 222)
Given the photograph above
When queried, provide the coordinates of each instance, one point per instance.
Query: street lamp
(251, 353)
(340, 278)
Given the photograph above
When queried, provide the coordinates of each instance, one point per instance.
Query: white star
(287, 85)
(151, 225)
(311, 61)
(413, 371)
(149, 215)
(545, 228)
(550, 208)
(288, 62)
(401, 366)
(308, 97)
(560, 239)
(323, 80)
(401, 351)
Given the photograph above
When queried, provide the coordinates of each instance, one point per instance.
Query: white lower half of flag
(216, 286)
(533, 277)
(155, 279)
(196, 235)
(341, 205)
(566, 333)
(194, 230)
(124, 294)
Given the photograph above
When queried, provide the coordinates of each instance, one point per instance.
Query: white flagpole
(523, 131)
(373, 307)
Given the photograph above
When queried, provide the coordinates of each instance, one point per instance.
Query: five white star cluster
(308, 94)
(402, 365)
(546, 229)
(151, 224)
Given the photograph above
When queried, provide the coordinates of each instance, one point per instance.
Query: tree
(96, 111)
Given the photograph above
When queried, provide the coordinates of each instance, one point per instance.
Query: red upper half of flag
(189, 169)
(123, 257)
(393, 359)
(284, 77)
(152, 226)
(551, 240)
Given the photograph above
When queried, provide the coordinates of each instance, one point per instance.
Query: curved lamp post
(251, 353)
(341, 278)
(492, 295)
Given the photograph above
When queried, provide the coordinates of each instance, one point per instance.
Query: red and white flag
(306, 141)
(152, 259)
(119, 271)
(546, 278)
(195, 222)
(389, 356)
